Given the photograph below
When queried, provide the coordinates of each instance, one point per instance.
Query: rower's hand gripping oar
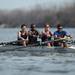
(57, 40)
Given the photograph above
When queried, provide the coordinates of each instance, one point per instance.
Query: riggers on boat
(36, 49)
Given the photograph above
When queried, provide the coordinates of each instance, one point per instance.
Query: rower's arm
(69, 36)
(19, 36)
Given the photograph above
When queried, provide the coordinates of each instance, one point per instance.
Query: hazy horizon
(29, 4)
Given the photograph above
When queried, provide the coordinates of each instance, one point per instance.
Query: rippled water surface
(53, 64)
(21, 63)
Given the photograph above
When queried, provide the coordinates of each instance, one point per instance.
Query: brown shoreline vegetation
(39, 16)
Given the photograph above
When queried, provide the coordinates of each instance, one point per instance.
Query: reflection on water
(52, 64)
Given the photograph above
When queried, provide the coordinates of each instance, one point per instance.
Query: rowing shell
(37, 49)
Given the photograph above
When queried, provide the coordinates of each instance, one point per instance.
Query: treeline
(39, 16)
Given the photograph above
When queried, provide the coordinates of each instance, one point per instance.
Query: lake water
(17, 63)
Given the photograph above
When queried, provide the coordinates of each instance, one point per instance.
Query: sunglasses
(47, 27)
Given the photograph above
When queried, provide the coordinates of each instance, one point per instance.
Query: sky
(28, 4)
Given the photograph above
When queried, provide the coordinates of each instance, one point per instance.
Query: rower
(60, 33)
(47, 35)
(33, 34)
(22, 35)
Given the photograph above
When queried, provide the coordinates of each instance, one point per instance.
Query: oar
(16, 43)
(40, 43)
(7, 43)
(72, 42)
(56, 40)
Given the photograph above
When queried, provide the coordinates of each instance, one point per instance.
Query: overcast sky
(13, 4)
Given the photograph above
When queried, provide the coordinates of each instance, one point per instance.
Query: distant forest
(38, 16)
